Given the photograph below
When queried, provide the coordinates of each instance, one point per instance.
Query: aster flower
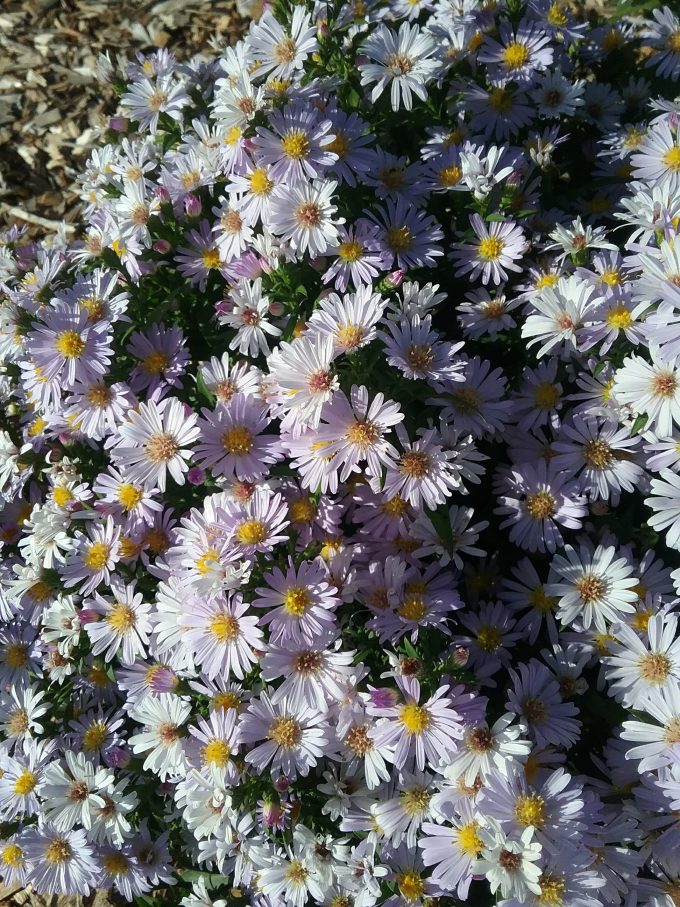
(535, 698)
(359, 255)
(146, 100)
(221, 637)
(161, 739)
(413, 732)
(281, 52)
(119, 626)
(233, 442)
(247, 314)
(303, 380)
(61, 862)
(299, 603)
(403, 60)
(295, 147)
(304, 216)
(453, 850)
(294, 739)
(636, 669)
(73, 791)
(655, 743)
(156, 440)
(651, 388)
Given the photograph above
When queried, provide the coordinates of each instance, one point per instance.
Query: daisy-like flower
(423, 733)
(358, 254)
(233, 442)
(422, 474)
(221, 638)
(67, 346)
(408, 236)
(255, 525)
(355, 430)
(497, 248)
(214, 743)
(125, 501)
(404, 60)
(299, 603)
(247, 313)
(162, 354)
(279, 53)
(350, 321)
(161, 741)
(484, 750)
(509, 864)
(156, 441)
(637, 670)
(294, 739)
(21, 709)
(539, 498)
(665, 502)
(535, 698)
(453, 849)
(295, 147)
(95, 556)
(652, 388)
(21, 781)
(655, 744)
(592, 586)
(146, 100)
(519, 55)
(74, 790)
(416, 350)
(119, 626)
(201, 257)
(601, 454)
(657, 159)
(60, 862)
(312, 671)
(304, 216)
(293, 880)
(303, 379)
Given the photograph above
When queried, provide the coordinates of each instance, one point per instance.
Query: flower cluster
(340, 473)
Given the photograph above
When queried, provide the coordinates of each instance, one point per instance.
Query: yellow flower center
(349, 336)
(598, 454)
(556, 15)
(655, 668)
(399, 239)
(350, 251)
(450, 176)
(260, 184)
(225, 701)
(62, 495)
(339, 145)
(70, 344)
(673, 42)
(121, 618)
(363, 434)
(94, 736)
(115, 863)
(490, 248)
(413, 608)
(546, 396)
(286, 732)
(206, 562)
(415, 464)
(468, 839)
(155, 363)
(129, 496)
(252, 532)
(161, 448)
(296, 601)
(97, 556)
(619, 317)
(295, 144)
(540, 505)
(217, 753)
(224, 627)
(296, 873)
(515, 55)
(99, 395)
(211, 259)
(411, 885)
(415, 718)
(25, 783)
(237, 440)
(500, 101)
(552, 890)
(540, 601)
(17, 721)
(530, 810)
(16, 655)
(489, 638)
(12, 855)
(58, 851)
(302, 510)
(672, 158)
(415, 800)
(591, 588)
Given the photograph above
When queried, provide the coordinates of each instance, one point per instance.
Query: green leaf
(639, 424)
(441, 522)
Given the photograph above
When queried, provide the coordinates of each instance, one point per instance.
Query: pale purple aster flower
(203, 256)
(354, 430)
(155, 441)
(422, 474)
(132, 505)
(404, 60)
(416, 350)
(637, 669)
(22, 780)
(453, 849)
(312, 672)
(351, 137)
(499, 111)
(95, 556)
(257, 524)
(350, 321)
(280, 52)
(161, 738)
(304, 216)
(539, 498)
(213, 745)
(121, 870)
(146, 100)
(299, 602)
(233, 442)
(163, 357)
(422, 733)
(407, 234)
(302, 379)
(247, 313)
(655, 745)
(119, 626)
(594, 586)
(498, 247)
(60, 862)
(234, 234)
(519, 55)
(98, 408)
(535, 698)
(652, 388)
(67, 346)
(221, 638)
(295, 147)
(360, 256)
(475, 404)
(294, 739)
